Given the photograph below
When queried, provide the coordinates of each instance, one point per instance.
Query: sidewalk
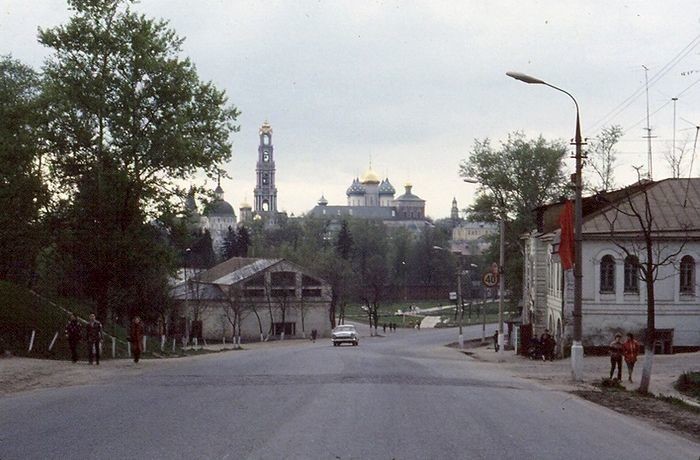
(557, 374)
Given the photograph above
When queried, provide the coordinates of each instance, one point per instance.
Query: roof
(408, 196)
(672, 203)
(356, 188)
(233, 265)
(196, 291)
(370, 177)
(363, 212)
(385, 188)
(220, 208)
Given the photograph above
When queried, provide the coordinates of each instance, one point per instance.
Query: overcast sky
(412, 84)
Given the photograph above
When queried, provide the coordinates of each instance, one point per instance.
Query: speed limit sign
(490, 279)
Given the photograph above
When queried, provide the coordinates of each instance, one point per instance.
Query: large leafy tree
(22, 192)
(128, 119)
(514, 180)
(21, 189)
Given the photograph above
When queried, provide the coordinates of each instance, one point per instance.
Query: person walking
(630, 351)
(495, 340)
(73, 336)
(314, 334)
(548, 343)
(616, 356)
(136, 337)
(93, 335)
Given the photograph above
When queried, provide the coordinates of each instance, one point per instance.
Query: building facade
(614, 291)
(273, 297)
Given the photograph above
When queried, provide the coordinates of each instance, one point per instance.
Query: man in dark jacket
(73, 336)
(93, 335)
(136, 338)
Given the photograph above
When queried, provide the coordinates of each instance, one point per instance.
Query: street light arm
(536, 81)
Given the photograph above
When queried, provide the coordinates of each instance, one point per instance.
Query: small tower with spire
(454, 213)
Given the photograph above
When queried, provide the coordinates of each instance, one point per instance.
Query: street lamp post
(576, 346)
(460, 307)
(501, 283)
(501, 275)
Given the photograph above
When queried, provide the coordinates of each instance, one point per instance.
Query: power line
(616, 111)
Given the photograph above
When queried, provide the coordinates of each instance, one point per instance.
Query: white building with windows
(614, 295)
(272, 297)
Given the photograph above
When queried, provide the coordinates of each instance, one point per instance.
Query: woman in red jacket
(630, 350)
(136, 337)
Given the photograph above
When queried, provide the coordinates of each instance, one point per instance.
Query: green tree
(230, 243)
(243, 240)
(370, 264)
(128, 120)
(344, 241)
(514, 180)
(22, 191)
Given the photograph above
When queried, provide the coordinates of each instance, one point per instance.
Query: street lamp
(576, 346)
(460, 307)
(501, 272)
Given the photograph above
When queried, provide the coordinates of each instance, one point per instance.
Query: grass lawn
(387, 313)
(22, 312)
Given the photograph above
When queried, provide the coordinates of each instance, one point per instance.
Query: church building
(370, 197)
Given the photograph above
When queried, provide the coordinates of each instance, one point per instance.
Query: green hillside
(22, 312)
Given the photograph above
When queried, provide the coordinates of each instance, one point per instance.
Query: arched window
(607, 274)
(631, 274)
(687, 275)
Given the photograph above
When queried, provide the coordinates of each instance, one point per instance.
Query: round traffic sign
(489, 279)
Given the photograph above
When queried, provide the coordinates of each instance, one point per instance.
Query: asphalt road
(404, 396)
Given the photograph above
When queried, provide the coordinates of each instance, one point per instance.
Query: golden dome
(370, 177)
(265, 128)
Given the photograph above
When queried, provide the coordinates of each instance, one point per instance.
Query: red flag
(566, 242)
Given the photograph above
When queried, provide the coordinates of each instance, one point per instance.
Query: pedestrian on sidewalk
(136, 337)
(384, 328)
(616, 356)
(73, 336)
(548, 343)
(93, 335)
(314, 333)
(495, 340)
(630, 350)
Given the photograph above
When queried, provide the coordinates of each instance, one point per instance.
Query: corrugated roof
(196, 291)
(233, 265)
(245, 271)
(674, 205)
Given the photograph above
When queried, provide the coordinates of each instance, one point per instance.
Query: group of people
(93, 337)
(391, 326)
(629, 350)
(542, 348)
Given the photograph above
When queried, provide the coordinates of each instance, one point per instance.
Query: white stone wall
(607, 313)
(215, 324)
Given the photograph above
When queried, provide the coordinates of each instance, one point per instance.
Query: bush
(688, 383)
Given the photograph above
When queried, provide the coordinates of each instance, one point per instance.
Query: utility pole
(648, 128)
(501, 285)
(460, 306)
(673, 144)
